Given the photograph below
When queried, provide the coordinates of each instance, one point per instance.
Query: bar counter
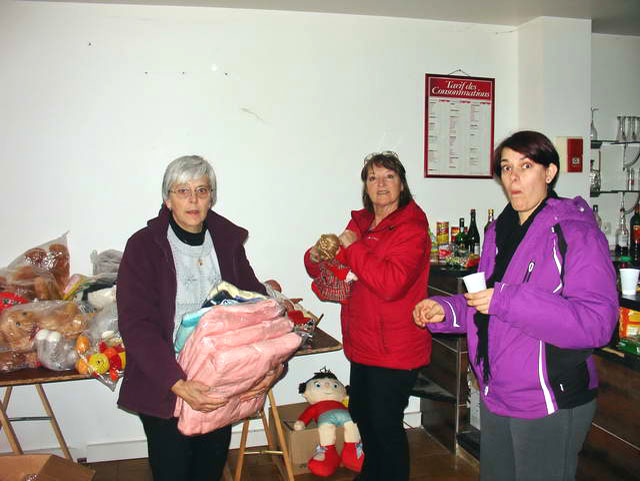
(612, 448)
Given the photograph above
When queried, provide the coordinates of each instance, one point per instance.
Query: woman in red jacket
(387, 247)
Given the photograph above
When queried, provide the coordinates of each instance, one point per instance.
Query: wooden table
(36, 378)
(321, 342)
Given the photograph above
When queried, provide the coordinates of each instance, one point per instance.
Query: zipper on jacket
(527, 274)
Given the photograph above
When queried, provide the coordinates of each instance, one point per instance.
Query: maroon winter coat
(392, 265)
(146, 307)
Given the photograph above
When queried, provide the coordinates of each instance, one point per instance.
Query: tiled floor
(429, 461)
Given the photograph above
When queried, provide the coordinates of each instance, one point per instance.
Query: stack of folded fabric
(232, 348)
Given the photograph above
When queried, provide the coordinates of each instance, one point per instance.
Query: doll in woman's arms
(335, 277)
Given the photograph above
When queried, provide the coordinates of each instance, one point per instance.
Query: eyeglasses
(385, 153)
(186, 193)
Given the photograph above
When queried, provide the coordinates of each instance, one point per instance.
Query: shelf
(426, 389)
(595, 144)
(470, 441)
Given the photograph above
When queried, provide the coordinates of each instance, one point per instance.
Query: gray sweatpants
(545, 449)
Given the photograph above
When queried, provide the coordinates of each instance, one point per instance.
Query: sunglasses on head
(384, 153)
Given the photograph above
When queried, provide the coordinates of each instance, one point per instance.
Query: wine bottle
(634, 236)
(473, 240)
(461, 240)
(622, 235)
(596, 214)
(489, 220)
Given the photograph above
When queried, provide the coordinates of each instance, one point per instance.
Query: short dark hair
(388, 160)
(534, 146)
(323, 373)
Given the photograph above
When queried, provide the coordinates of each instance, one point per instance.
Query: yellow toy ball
(99, 363)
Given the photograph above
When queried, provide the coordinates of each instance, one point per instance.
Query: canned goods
(455, 230)
(442, 233)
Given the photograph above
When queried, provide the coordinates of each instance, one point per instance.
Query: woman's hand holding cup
(480, 300)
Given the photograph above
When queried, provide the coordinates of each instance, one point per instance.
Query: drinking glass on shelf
(621, 136)
(631, 179)
(595, 180)
(629, 127)
(635, 132)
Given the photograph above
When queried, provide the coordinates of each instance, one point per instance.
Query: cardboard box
(301, 444)
(47, 467)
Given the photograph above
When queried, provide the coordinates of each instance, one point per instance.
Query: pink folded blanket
(232, 348)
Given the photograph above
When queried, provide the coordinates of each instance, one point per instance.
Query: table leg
(54, 422)
(267, 431)
(281, 439)
(241, 449)
(6, 424)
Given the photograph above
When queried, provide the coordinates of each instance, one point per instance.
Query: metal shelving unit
(597, 145)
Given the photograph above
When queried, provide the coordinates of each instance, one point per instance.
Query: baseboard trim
(98, 452)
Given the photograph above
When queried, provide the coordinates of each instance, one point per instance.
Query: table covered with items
(55, 326)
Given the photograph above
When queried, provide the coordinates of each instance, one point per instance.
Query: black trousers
(378, 397)
(176, 457)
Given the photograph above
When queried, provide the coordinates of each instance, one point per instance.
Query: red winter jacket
(392, 265)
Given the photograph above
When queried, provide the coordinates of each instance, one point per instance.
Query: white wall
(97, 99)
(615, 90)
(554, 65)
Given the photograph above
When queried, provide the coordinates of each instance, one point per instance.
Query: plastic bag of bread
(41, 272)
(19, 324)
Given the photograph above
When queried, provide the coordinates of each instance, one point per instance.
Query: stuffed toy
(14, 361)
(335, 278)
(40, 273)
(326, 394)
(53, 258)
(20, 323)
(29, 283)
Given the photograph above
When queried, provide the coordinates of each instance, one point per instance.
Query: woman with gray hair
(167, 270)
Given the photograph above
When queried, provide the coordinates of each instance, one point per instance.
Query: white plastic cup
(629, 281)
(476, 282)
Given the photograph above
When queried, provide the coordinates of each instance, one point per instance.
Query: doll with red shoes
(326, 395)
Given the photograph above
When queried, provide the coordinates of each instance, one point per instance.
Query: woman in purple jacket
(551, 299)
(167, 270)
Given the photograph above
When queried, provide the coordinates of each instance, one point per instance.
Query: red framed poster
(458, 126)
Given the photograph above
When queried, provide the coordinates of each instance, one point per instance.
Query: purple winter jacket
(538, 324)
(146, 298)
